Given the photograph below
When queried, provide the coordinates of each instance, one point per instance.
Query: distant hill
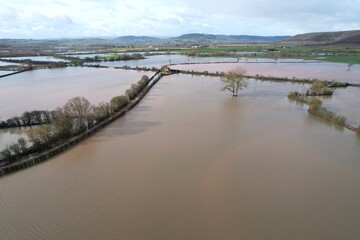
(137, 39)
(328, 37)
(228, 38)
(202, 38)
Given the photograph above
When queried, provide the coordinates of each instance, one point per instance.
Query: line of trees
(315, 107)
(31, 118)
(76, 117)
(115, 57)
(33, 63)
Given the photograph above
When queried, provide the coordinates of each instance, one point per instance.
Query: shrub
(319, 88)
(340, 120)
(314, 104)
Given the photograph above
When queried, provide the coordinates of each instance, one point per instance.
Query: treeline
(115, 57)
(215, 54)
(35, 64)
(126, 67)
(32, 118)
(320, 88)
(77, 116)
(315, 107)
(330, 84)
(324, 84)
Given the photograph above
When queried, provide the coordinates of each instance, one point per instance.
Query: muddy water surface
(311, 69)
(161, 60)
(346, 102)
(51, 88)
(11, 135)
(191, 162)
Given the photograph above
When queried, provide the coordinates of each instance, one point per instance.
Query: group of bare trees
(35, 117)
(77, 116)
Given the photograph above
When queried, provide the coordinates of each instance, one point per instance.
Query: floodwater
(5, 72)
(38, 58)
(161, 60)
(8, 63)
(11, 135)
(51, 88)
(311, 69)
(192, 162)
(90, 55)
(345, 102)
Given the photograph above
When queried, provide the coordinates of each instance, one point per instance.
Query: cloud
(76, 18)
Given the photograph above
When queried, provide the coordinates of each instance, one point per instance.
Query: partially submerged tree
(118, 102)
(79, 109)
(101, 111)
(233, 81)
(63, 123)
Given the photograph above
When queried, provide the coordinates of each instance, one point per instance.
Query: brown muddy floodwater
(319, 70)
(191, 162)
(346, 102)
(50, 88)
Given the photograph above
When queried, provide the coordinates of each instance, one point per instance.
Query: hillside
(202, 38)
(129, 39)
(328, 37)
(228, 38)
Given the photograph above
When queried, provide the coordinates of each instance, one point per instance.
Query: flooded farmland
(51, 88)
(305, 69)
(38, 58)
(161, 60)
(192, 162)
(346, 102)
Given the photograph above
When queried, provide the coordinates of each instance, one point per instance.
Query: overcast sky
(84, 18)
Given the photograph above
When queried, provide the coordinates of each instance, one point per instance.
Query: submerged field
(190, 162)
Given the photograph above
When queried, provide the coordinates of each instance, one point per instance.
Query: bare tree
(233, 81)
(79, 109)
(118, 102)
(63, 123)
(42, 136)
(101, 111)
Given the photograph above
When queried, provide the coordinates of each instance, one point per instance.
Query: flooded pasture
(192, 162)
(2, 63)
(319, 70)
(51, 88)
(161, 60)
(11, 135)
(38, 58)
(346, 102)
(5, 72)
